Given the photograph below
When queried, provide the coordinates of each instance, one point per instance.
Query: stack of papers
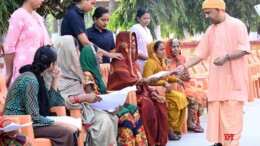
(66, 119)
(113, 100)
(13, 127)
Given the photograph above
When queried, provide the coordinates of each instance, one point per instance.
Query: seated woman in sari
(126, 73)
(196, 97)
(12, 137)
(28, 95)
(177, 101)
(130, 128)
(101, 126)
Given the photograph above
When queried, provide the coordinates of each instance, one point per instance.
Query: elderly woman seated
(195, 96)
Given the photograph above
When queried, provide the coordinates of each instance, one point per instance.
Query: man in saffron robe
(226, 42)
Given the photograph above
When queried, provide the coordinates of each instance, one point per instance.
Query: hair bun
(43, 58)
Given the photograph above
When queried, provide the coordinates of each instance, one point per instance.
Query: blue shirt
(104, 40)
(73, 23)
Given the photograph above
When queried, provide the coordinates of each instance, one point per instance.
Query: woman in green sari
(130, 127)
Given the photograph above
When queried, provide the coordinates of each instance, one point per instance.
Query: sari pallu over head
(71, 71)
(70, 82)
(125, 72)
(89, 63)
(168, 46)
(160, 63)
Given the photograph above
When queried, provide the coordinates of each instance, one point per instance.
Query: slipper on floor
(196, 129)
(173, 136)
(199, 126)
(217, 144)
(178, 134)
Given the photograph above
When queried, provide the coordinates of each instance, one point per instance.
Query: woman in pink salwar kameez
(26, 33)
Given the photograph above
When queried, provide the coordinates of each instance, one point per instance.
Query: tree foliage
(172, 15)
(161, 13)
(175, 16)
(241, 9)
(6, 9)
(57, 8)
(244, 10)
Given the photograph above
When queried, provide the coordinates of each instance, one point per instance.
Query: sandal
(173, 136)
(196, 129)
(178, 134)
(198, 125)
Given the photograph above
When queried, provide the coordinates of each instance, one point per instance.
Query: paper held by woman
(113, 100)
(14, 126)
(162, 74)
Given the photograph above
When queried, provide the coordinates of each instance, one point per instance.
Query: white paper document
(113, 100)
(66, 119)
(14, 126)
(257, 8)
(164, 73)
(125, 90)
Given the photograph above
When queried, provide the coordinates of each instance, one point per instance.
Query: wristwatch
(228, 57)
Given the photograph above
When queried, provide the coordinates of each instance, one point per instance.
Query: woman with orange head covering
(177, 101)
(126, 72)
(195, 96)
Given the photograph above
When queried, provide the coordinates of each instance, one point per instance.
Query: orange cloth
(167, 48)
(211, 4)
(229, 81)
(197, 96)
(125, 72)
(225, 122)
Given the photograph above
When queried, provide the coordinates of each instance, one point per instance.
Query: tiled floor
(250, 135)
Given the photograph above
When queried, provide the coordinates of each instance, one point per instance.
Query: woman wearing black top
(73, 24)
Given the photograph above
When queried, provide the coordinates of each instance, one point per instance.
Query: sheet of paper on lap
(113, 100)
(14, 126)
